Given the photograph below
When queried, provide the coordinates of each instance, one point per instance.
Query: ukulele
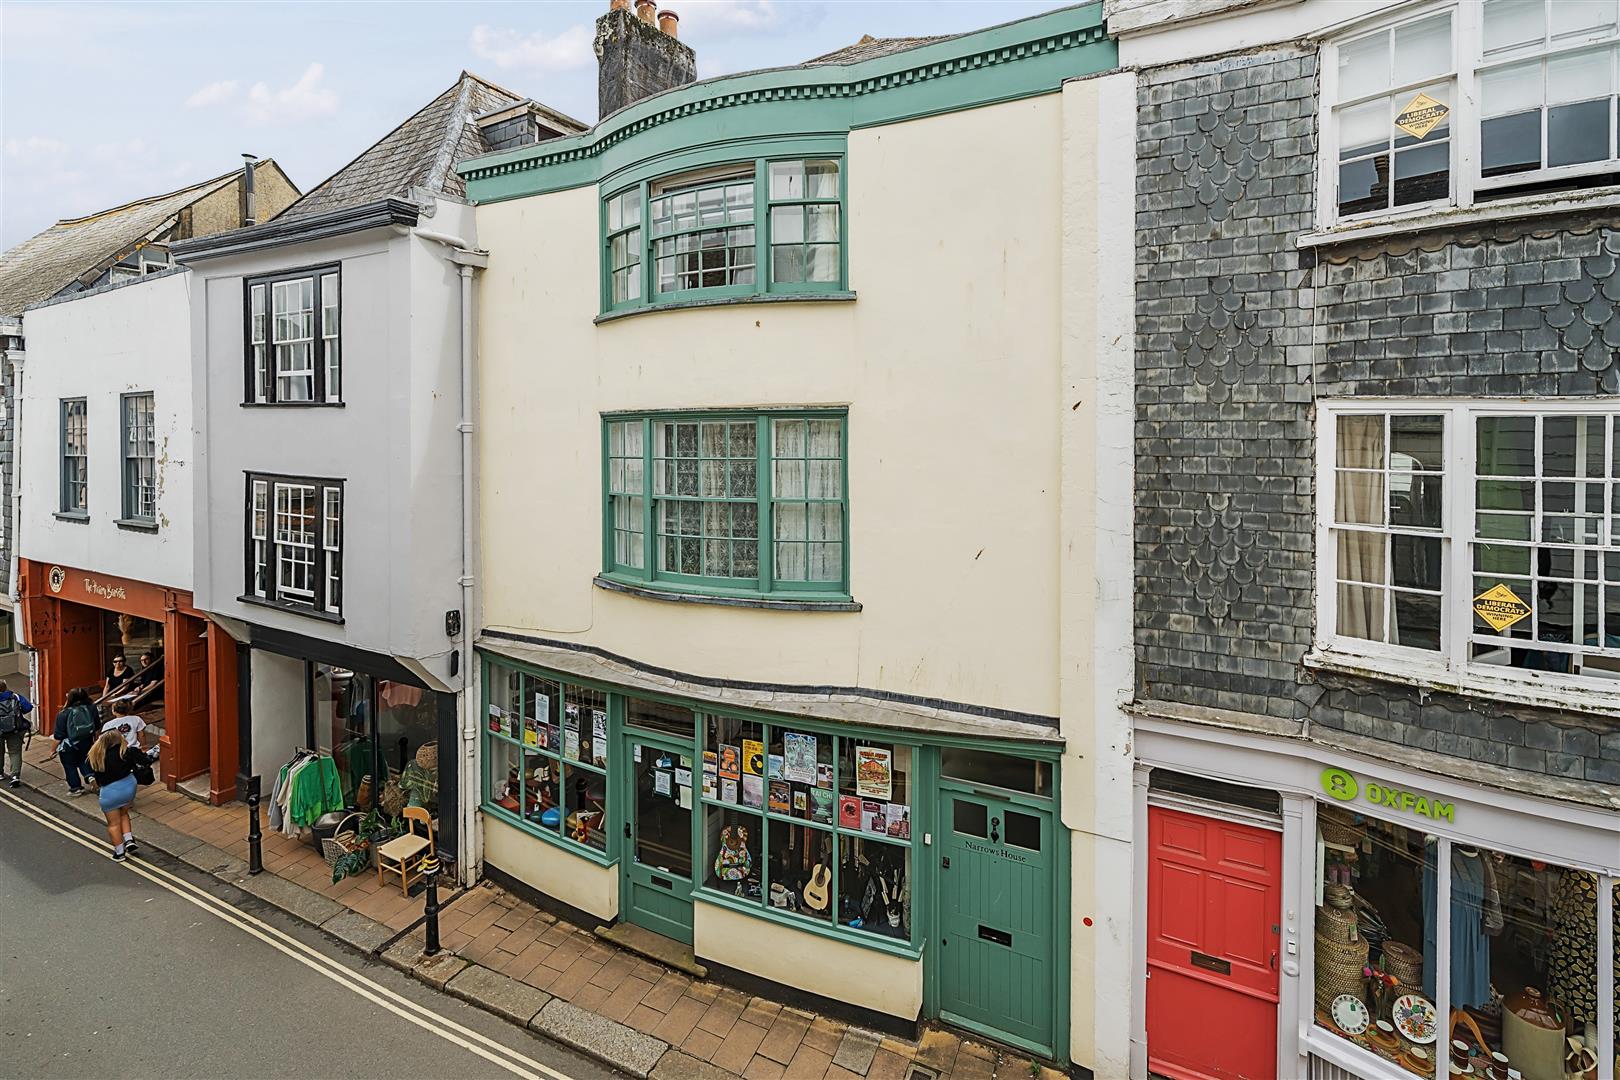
(817, 891)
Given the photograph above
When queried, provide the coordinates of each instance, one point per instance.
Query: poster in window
(571, 732)
(542, 707)
(824, 775)
(599, 738)
(874, 772)
(849, 811)
(899, 821)
(821, 805)
(781, 797)
(730, 762)
(873, 818)
(728, 791)
(753, 757)
(531, 732)
(495, 718)
(661, 782)
(711, 785)
(683, 777)
(798, 758)
(773, 767)
(753, 790)
(801, 802)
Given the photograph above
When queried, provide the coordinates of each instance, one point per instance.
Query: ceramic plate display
(1350, 1014)
(1415, 1018)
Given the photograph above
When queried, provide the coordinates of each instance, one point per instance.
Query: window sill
(1529, 206)
(63, 515)
(1523, 688)
(293, 404)
(308, 613)
(676, 595)
(875, 942)
(727, 301)
(137, 525)
(506, 817)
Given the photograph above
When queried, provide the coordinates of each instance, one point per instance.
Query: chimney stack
(249, 207)
(638, 55)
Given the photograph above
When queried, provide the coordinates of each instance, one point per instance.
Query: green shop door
(997, 933)
(658, 874)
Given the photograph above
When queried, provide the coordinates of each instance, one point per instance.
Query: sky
(104, 103)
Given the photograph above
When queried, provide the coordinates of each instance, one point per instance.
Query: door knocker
(995, 833)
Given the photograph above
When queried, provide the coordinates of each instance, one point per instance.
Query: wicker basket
(392, 799)
(1404, 964)
(427, 756)
(344, 840)
(1341, 897)
(1337, 925)
(1339, 829)
(1339, 968)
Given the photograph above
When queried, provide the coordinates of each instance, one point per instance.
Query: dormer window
(294, 354)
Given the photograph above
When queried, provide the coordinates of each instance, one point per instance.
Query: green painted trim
(1001, 63)
(627, 310)
(706, 895)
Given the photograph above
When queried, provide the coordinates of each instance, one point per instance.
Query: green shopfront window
(809, 825)
(735, 229)
(733, 503)
(546, 754)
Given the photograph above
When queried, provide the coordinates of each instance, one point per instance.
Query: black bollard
(255, 835)
(430, 877)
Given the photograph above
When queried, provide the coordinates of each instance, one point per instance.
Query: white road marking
(403, 1007)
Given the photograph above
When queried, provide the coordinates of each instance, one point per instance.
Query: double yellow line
(513, 1062)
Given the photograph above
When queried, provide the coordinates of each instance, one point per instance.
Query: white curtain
(1359, 499)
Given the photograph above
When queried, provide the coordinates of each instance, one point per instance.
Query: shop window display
(1521, 951)
(561, 784)
(831, 816)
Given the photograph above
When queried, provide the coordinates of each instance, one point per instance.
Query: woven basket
(345, 839)
(1335, 925)
(1336, 829)
(1341, 897)
(427, 756)
(392, 799)
(1403, 963)
(1338, 969)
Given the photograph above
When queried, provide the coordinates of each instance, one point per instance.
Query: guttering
(284, 230)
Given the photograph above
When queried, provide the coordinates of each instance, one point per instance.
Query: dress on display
(1572, 974)
(1476, 915)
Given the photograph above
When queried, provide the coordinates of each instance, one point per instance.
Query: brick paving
(748, 1036)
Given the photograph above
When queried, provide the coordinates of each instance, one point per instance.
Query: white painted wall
(277, 701)
(578, 882)
(131, 338)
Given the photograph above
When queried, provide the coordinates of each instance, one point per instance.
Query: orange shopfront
(75, 620)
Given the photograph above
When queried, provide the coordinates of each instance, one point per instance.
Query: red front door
(1214, 890)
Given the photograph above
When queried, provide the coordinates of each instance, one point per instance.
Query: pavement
(562, 982)
(105, 972)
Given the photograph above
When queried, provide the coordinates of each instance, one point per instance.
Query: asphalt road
(104, 973)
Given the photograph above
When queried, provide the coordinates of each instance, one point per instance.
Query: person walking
(113, 761)
(14, 724)
(74, 731)
(127, 722)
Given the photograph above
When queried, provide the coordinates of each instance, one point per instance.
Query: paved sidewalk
(512, 958)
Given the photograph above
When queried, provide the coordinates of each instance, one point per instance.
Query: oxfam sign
(1345, 787)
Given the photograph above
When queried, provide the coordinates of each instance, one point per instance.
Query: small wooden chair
(403, 855)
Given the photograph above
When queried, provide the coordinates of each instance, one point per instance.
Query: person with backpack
(118, 767)
(14, 724)
(75, 730)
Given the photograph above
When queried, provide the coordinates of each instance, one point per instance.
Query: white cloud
(35, 147)
(738, 18)
(303, 100)
(215, 93)
(539, 51)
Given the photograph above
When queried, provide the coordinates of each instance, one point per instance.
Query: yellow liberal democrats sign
(1498, 606)
(1421, 115)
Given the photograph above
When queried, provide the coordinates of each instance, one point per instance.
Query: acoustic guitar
(818, 890)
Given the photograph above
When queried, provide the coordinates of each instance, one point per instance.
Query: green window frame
(547, 746)
(730, 229)
(728, 503)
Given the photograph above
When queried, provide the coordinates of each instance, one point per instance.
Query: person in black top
(113, 763)
(117, 676)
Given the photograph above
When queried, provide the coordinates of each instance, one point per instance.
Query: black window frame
(63, 504)
(267, 592)
(317, 343)
(128, 504)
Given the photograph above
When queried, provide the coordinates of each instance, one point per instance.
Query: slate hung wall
(1239, 331)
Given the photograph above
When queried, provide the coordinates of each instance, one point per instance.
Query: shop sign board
(1345, 787)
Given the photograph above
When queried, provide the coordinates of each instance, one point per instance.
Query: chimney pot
(618, 5)
(645, 10)
(666, 22)
(250, 208)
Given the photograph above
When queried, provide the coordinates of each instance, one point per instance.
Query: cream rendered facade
(984, 360)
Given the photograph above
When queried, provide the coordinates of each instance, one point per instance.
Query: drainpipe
(467, 259)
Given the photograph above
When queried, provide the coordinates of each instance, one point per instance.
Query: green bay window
(750, 503)
(730, 229)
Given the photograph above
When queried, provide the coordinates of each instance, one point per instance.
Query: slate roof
(419, 153)
(870, 47)
(45, 264)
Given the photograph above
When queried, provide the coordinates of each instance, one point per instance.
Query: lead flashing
(280, 232)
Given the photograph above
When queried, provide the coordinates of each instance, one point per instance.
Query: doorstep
(642, 942)
(559, 980)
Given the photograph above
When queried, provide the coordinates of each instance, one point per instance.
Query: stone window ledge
(1483, 213)
(1521, 688)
